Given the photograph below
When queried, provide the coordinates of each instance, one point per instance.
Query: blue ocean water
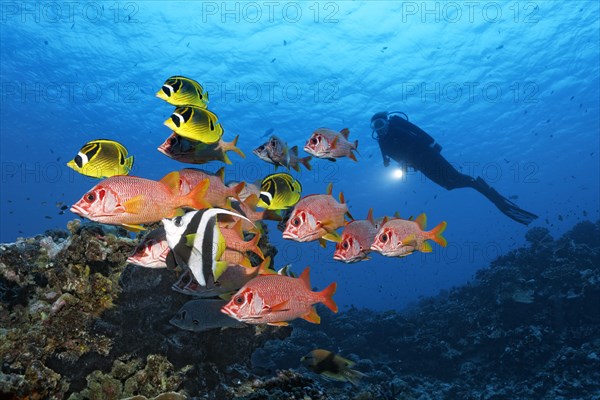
(510, 90)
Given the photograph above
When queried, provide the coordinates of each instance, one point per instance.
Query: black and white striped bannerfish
(196, 242)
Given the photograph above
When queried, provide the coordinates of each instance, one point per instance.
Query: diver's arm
(386, 159)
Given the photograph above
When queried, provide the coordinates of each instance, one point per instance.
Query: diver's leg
(509, 208)
(439, 170)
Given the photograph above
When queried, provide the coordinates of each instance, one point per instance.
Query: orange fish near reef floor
(275, 299)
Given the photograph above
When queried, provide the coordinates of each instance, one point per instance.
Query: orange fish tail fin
(251, 202)
(254, 246)
(327, 297)
(237, 189)
(232, 146)
(265, 267)
(196, 197)
(436, 234)
(306, 162)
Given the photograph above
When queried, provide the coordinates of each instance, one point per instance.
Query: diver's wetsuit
(406, 143)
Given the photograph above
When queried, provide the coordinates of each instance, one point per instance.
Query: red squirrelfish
(329, 144)
(317, 216)
(357, 238)
(400, 237)
(275, 299)
(130, 201)
(152, 251)
(191, 152)
(217, 193)
(234, 238)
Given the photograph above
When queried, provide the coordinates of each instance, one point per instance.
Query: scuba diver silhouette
(406, 143)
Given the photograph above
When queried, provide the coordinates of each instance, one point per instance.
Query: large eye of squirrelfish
(296, 221)
(239, 300)
(90, 197)
(314, 139)
(345, 245)
(172, 140)
(383, 237)
(177, 221)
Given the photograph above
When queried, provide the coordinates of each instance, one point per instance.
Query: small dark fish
(48, 217)
(61, 212)
(273, 60)
(203, 315)
(560, 217)
(63, 208)
(584, 213)
(285, 43)
(500, 47)
(331, 366)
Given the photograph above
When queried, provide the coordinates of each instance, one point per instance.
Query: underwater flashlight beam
(397, 173)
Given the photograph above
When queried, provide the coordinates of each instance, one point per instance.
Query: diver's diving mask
(380, 123)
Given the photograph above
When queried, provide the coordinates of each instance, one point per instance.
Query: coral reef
(79, 323)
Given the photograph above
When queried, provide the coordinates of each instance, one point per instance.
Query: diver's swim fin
(509, 208)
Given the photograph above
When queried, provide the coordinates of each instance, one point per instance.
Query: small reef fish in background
(400, 237)
(152, 251)
(276, 152)
(218, 193)
(192, 152)
(357, 238)
(182, 91)
(279, 191)
(329, 144)
(130, 201)
(102, 159)
(196, 124)
(331, 366)
(317, 216)
(197, 243)
(203, 315)
(276, 299)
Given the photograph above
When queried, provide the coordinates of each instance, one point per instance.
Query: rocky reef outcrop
(78, 322)
(528, 327)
